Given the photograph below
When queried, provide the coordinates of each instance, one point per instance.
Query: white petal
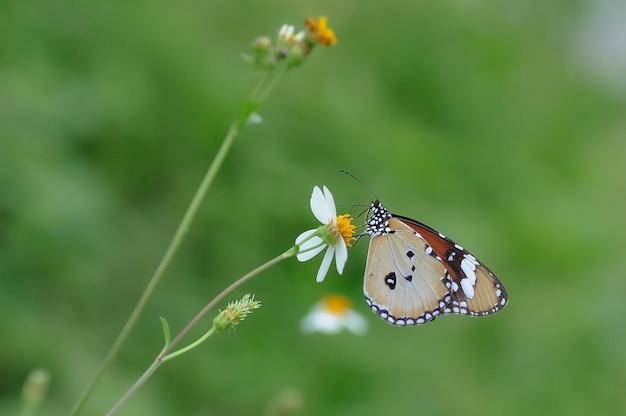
(330, 203)
(355, 323)
(318, 206)
(308, 324)
(342, 255)
(303, 236)
(328, 258)
(321, 321)
(309, 254)
(285, 31)
(309, 248)
(313, 243)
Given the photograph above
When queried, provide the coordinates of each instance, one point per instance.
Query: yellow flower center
(336, 304)
(345, 227)
(320, 31)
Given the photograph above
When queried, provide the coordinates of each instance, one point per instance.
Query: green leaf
(166, 331)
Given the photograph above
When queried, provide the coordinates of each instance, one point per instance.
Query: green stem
(257, 83)
(289, 253)
(178, 238)
(272, 83)
(190, 346)
(256, 96)
(165, 354)
(145, 376)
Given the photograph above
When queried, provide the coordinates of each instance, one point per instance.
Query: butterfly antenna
(359, 181)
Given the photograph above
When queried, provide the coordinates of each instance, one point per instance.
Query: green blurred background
(501, 124)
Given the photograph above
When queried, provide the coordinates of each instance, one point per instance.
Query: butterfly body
(414, 273)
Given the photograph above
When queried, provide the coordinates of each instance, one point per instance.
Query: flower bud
(235, 312)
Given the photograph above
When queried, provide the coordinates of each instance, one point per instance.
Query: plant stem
(190, 346)
(257, 94)
(135, 387)
(289, 253)
(165, 355)
(178, 238)
(272, 83)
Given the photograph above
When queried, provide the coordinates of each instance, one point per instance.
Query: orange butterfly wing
(475, 290)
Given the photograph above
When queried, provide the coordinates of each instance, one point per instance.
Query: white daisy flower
(334, 236)
(333, 314)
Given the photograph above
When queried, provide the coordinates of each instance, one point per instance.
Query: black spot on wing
(390, 280)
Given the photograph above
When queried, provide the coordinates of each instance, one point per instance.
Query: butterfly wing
(404, 284)
(474, 289)
(414, 273)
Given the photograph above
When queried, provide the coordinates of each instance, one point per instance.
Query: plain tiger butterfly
(414, 274)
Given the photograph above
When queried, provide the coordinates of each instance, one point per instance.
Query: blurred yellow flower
(320, 31)
(331, 315)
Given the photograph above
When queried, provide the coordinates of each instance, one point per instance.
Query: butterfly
(414, 274)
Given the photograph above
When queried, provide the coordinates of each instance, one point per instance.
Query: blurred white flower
(333, 314)
(287, 34)
(334, 236)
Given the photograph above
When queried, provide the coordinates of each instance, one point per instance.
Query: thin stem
(135, 386)
(273, 82)
(289, 253)
(190, 346)
(257, 83)
(178, 238)
(165, 354)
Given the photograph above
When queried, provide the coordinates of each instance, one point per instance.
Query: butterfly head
(378, 222)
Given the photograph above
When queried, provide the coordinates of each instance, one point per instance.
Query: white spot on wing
(467, 287)
(469, 267)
